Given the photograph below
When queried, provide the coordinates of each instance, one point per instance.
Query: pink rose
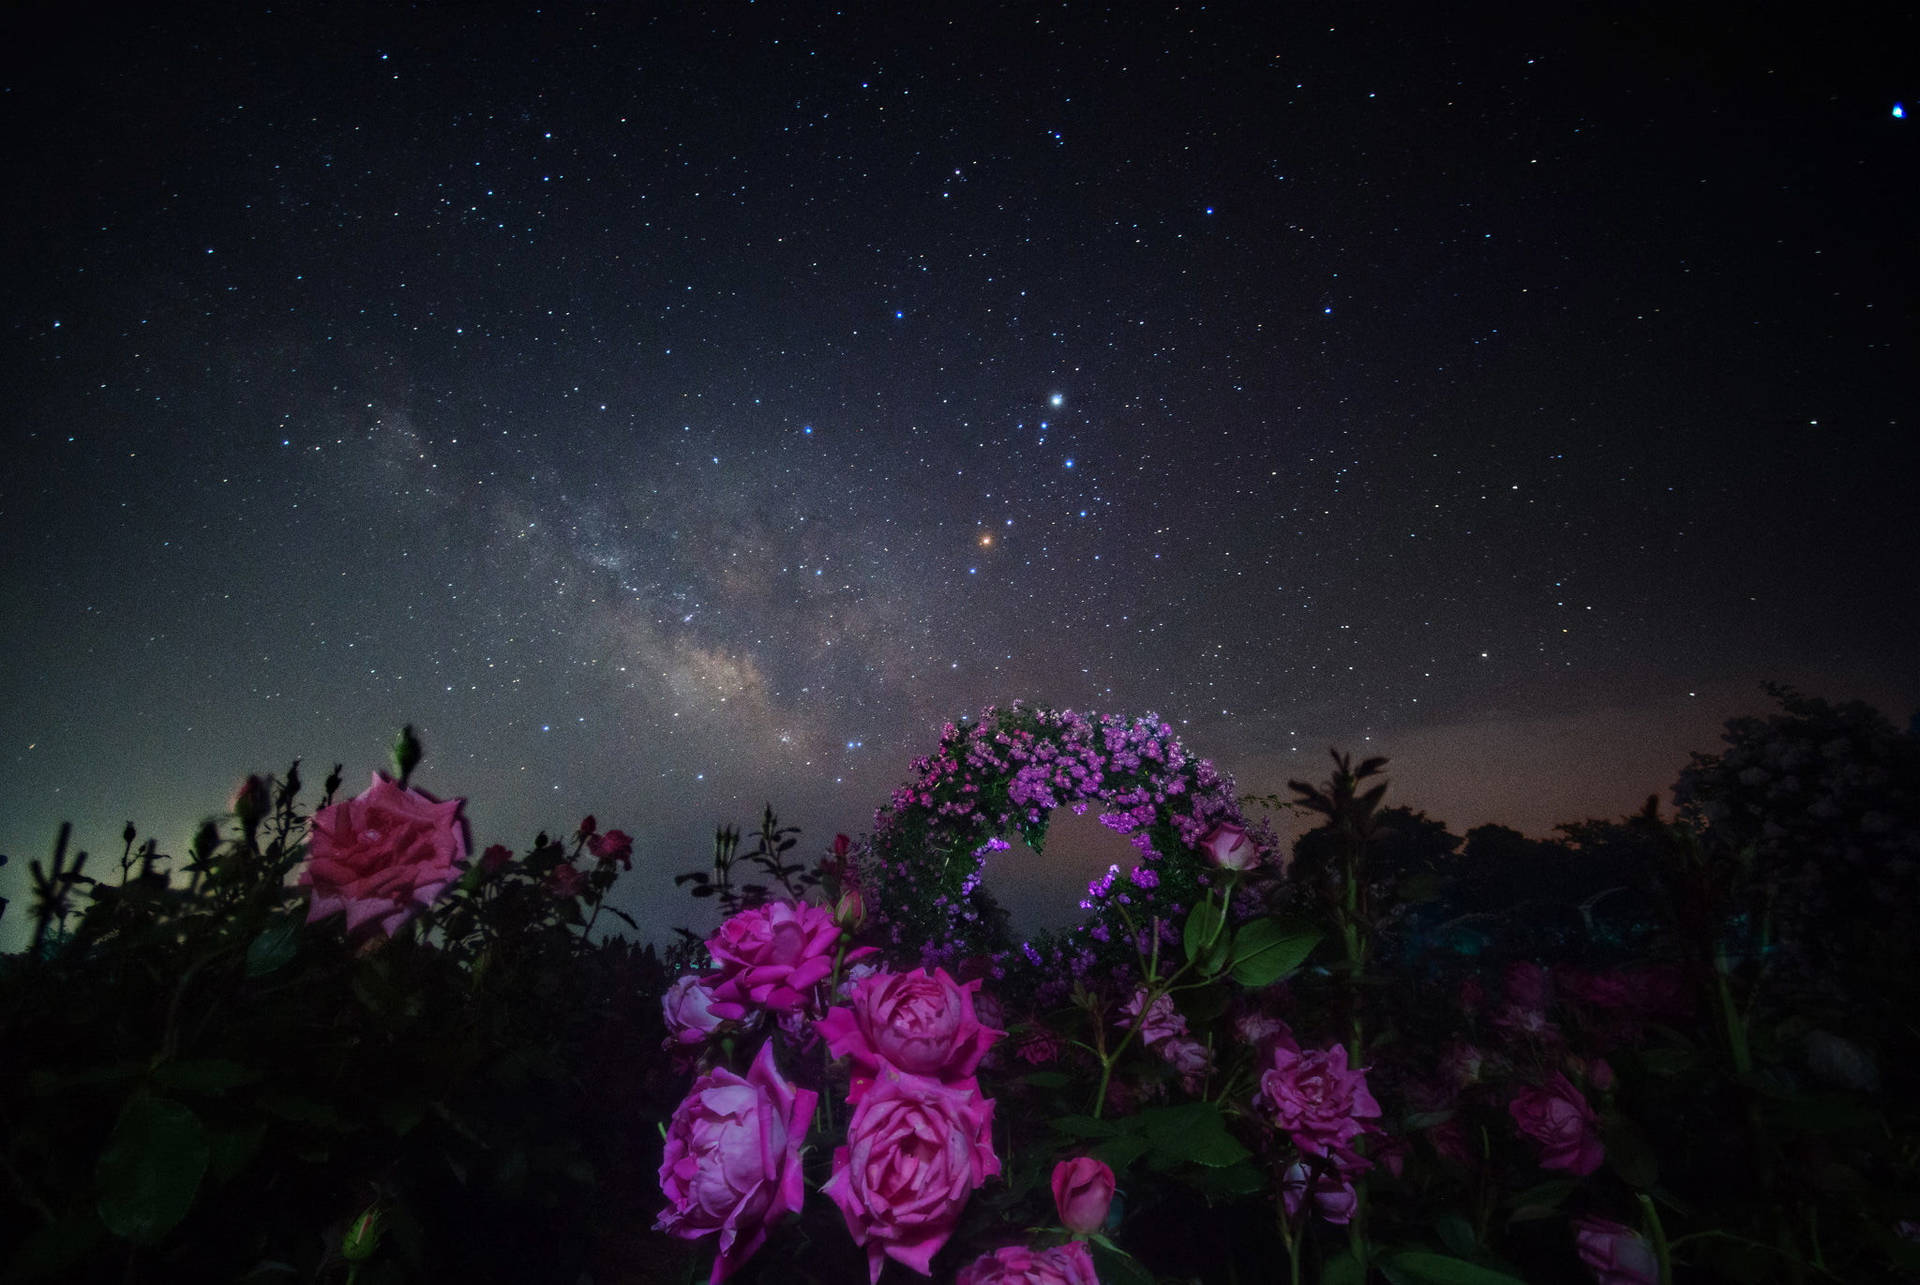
(1070, 1264)
(1256, 1028)
(732, 1162)
(614, 845)
(1334, 1198)
(1082, 1192)
(587, 826)
(1615, 1255)
(1162, 1021)
(1227, 846)
(1314, 1097)
(1039, 1045)
(382, 857)
(495, 857)
(1190, 1058)
(687, 1006)
(564, 881)
(772, 956)
(1559, 1119)
(916, 1150)
(923, 1023)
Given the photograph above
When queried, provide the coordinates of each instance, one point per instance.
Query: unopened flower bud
(406, 753)
(362, 1238)
(250, 803)
(850, 912)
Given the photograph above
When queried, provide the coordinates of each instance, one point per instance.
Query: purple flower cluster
(1002, 775)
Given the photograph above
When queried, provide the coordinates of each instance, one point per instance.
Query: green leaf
(150, 1171)
(1629, 1153)
(1264, 951)
(1343, 1270)
(204, 1075)
(275, 947)
(1120, 1151)
(1456, 1233)
(1442, 1270)
(1085, 1126)
(1193, 1132)
(1047, 1079)
(1204, 924)
(1113, 1267)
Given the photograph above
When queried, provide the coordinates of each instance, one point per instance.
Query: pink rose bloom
(772, 956)
(614, 845)
(563, 881)
(1190, 1058)
(1082, 1192)
(382, 857)
(1038, 1045)
(1227, 846)
(1316, 1098)
(1162, 1022)
(1615, 1255)
(916, 1150)
(1070, 1264)
(1256, 1028)
(1334, 1198)
(495, 857)
(923, 1023)
(687, 1006)
(732, 1162)
(1559, 1119)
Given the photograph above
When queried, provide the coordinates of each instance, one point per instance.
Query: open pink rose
(687, 1007)
(1616, 1255)
(1315, 1097)
(916, 1150)
(1227, 846)
(1162, 1020)
(1070, 1264)
(732, 1162)
(922, 1022)
(1082, 1192)
(771, 957)
(383, 856)
(1557, 1117)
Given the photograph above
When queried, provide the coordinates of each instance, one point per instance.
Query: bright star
(1058, 399)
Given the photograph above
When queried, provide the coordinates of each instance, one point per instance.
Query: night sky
(671, 409)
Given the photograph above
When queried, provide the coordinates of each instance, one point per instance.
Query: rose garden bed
(337, 1045)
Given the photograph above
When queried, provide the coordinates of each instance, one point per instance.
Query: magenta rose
(1615, 1255)
(1162, 1020)
(1082, 1192)
(1557, 1117)
(1334, 1198)
(687, 1006)
(1315, 1097)
(564, 881)
(916, 1150)
(923, 1023)
(614, 845)
(772, 956)
(383, 856)
(1070, 1264)
(732, 1162)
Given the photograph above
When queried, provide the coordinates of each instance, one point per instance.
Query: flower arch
(1004, 774)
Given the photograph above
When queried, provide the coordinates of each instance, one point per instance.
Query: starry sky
(671, 409)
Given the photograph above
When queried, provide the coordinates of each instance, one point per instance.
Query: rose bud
(1082, 1192)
